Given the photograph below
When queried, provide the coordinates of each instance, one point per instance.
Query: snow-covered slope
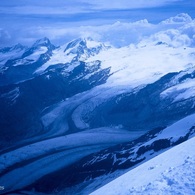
(10, 53)
(131, 65)
(172, 172)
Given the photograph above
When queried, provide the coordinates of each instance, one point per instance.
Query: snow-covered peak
(90, 43)
(10, 53)
(178, 19)
(83, 45)
(75, 43)
(42, 42)
(17, 47)
(41, 46)
(75, 46)
(77, 50)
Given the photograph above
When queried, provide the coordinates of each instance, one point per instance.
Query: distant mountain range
(85, 110)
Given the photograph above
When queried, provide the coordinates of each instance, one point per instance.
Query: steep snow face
(172, 172)
(58, 57)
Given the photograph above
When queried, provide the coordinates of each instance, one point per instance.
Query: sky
(25, 21)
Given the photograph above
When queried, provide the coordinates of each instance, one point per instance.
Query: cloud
(4, 36)
(123, 34)
(179, 31)
(171, 37)
(119, 33)
(180, 18)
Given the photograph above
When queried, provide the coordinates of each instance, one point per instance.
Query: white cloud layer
(175, 31)
(121, 34)
(4, 36)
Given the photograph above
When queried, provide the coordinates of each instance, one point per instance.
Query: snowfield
(172, 172)
(132, 70)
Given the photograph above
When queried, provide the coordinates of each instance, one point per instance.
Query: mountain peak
(15, 47)
(76, 43)
(83, 48)
(84, 42)
(42, 42)
(18, 46)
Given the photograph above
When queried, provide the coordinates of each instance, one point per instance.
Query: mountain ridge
(87, 104)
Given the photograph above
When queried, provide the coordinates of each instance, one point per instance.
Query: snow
(75, 107)
(31, 58)
(176, 130)
(92, 102)
(180, 91)
(58, 57)
(172, 172)
(66, 53)
(13, 54)
(131, 65)
(92, 43)
(161, 53)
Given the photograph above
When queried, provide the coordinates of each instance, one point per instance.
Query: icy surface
(13, 53)
(172, 172)
(181, 91)
(77, 106)
(128, 65)
(58, 57)
(31, 58)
